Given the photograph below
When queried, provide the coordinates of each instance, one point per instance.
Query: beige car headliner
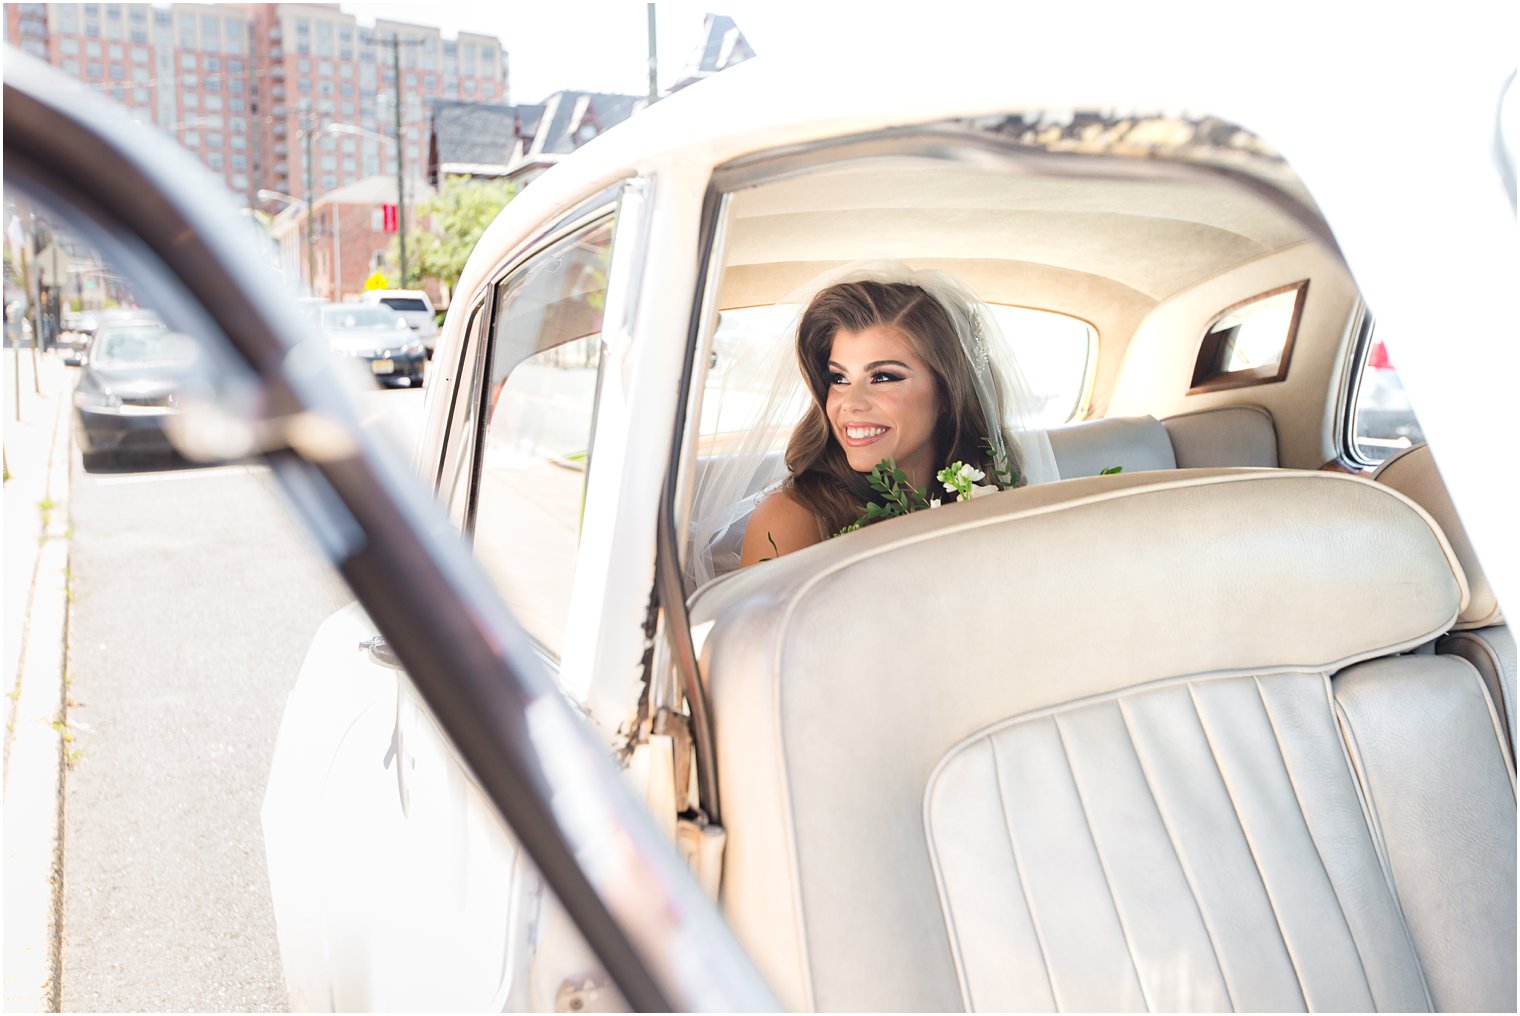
(1088, 246)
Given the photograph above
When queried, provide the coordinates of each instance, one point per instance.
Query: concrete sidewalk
(37, 453)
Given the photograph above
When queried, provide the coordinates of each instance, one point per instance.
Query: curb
(34, 775)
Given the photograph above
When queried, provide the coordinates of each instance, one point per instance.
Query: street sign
(377, 281)
(390, 218)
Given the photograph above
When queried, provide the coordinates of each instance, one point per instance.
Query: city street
(194, 596)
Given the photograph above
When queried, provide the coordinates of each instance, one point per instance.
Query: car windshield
(344, 319)
(142, 344)
(405, 303)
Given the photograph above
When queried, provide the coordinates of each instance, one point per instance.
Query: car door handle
(380, 652)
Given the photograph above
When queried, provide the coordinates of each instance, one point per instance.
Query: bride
(898, 365)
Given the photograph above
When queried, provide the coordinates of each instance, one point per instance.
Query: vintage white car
(1229, 730)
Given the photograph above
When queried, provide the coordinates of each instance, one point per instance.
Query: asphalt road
(195, 597)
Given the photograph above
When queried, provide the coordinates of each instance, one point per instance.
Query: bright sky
(590, 45)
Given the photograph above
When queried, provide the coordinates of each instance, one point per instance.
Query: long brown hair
(820, 475)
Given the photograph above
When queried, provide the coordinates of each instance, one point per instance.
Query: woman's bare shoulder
(780, 524)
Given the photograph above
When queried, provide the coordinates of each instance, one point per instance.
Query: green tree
(460, 212)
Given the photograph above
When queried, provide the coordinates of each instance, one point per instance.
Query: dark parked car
(129, 386)
(378, 336)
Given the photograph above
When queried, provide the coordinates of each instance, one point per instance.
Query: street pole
(400, 161)
(654, 63)
(337, 249)
(311, 236)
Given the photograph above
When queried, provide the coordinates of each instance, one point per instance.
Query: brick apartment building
(237, 84)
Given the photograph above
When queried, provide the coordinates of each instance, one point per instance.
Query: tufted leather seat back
(1079, 746)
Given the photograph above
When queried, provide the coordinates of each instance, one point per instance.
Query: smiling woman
(900, 373)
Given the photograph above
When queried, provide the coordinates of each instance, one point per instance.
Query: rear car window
(404, 303)
(1056, 353)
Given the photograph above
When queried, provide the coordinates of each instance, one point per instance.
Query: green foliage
(901, 497)
(1112, 470)
(461, 211)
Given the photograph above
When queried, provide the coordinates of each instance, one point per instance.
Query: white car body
(395, 885)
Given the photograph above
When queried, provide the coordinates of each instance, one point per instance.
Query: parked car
(75, 332)
(378, 337)
(129, 388)
(415, 306)
(1153, 741)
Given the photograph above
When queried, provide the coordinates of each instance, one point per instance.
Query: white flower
(934, 501)
(952, 488)
(970, 473)
(982, 489)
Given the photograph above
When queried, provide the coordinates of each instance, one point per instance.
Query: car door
(396, 853)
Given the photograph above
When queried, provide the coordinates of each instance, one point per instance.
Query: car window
(404, 303)
(539, 402)
(459, 441)
(1055, 352)
(359, 317)
(1383, 419)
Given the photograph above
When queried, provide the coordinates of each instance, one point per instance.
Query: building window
(138, 35)
(139, 55)
(235, 105)
(68, 47)
(37, 49)
(239, 181)
(214, 160)
(235, 86)
(238, 141)
(139, 95)
(118, 72)
(115, 51)
(141, 73)
(214, 140)
(303, 27)
(190, 100)
(187, 61)
(213, 102)
(71, 67)
(234, 66)
(191, 139)
(239, 162)
(213, 65)
(329, 182)
(189, 81)
(92, 49)
(94, 69)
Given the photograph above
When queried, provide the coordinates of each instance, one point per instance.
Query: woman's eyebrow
(873, 365)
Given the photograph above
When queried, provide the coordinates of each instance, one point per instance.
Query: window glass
(539, 404)
(1054, 352)
(1250, 343)
(1383, 421)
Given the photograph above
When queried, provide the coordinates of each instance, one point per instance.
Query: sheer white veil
(756, 394)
